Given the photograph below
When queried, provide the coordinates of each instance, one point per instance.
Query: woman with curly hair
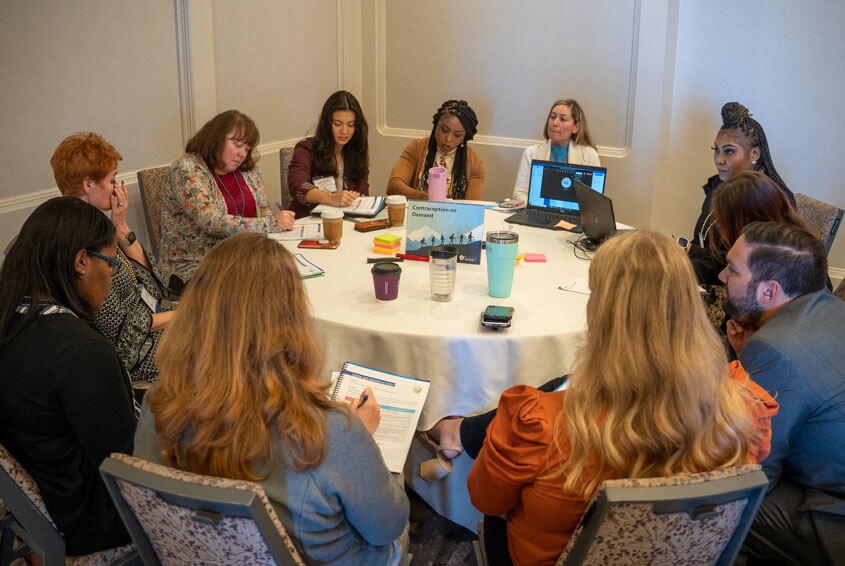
(240, 396)
(454, 124)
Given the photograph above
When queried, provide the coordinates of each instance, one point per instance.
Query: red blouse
(236, 193)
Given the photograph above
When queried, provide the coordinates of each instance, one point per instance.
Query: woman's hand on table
(343, 198)
(367, 409)
(284, 219)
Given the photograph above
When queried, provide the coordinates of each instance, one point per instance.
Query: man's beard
(745, 310)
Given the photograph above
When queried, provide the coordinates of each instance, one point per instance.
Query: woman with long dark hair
(454, 124)
(333, 166)
(240, 395)
(65, 399)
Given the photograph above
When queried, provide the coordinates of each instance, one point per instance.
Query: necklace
(703, 236)
(234, 202)
(128, 265)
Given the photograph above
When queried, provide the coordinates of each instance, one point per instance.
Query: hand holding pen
(367, 409)
(284, 218)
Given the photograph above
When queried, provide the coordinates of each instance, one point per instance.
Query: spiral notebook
(401, 400)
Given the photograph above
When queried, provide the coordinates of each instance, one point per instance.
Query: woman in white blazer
(567, 141)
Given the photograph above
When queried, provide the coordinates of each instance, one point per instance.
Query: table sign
(456, 224)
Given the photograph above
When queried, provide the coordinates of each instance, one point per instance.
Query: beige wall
(651, 76)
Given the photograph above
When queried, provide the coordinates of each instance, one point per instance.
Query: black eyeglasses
(114, 264)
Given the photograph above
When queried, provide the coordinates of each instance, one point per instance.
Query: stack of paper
(386, 244)
(361, 206)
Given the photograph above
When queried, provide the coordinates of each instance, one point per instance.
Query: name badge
(325, 184)
(148, 299)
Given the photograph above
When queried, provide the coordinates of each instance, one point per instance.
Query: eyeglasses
(114, 264)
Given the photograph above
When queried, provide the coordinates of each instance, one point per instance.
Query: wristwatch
(130, 239)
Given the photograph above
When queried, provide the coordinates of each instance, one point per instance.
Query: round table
(468, 365)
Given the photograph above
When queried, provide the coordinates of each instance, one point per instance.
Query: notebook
(551, 193)
(401, 400)
(597, 220)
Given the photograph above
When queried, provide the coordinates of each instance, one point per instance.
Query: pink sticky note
(535, 258)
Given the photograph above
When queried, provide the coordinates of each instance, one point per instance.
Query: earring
(82, 272)
(754, 162)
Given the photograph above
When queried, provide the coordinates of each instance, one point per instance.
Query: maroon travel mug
(386, 280)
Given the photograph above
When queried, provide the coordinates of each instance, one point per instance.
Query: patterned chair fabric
(651, 521)
(151, 184)
(823, 219)
(285, 155)
(178, 526)
(35, 526)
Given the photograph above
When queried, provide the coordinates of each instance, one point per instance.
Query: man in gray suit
(789, 334)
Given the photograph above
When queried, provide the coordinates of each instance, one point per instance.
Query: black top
(66, 404)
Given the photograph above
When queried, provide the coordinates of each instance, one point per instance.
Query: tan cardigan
(403, 178)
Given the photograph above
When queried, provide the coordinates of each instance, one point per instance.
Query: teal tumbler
(502, 249)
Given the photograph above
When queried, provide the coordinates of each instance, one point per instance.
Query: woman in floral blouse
(215, 191)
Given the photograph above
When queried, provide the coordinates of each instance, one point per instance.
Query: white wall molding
(185, 65)
(350, 75)
(383, 128)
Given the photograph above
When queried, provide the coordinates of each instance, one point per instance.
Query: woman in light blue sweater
(240, 396)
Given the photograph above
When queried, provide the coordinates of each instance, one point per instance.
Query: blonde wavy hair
(649, 393)
(239, 366)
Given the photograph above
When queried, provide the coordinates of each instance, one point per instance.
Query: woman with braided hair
(740, 145)
(454, 124)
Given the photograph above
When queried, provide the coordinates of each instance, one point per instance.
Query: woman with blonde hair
(567, 141)
(650, 394)
(240, 396)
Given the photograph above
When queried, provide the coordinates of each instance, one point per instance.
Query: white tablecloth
(468, 365)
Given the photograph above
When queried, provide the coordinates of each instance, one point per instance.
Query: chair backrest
(694, 519)
(823, 219)
(27, 517)
(177, 517)
(151, 185)
(285, 155)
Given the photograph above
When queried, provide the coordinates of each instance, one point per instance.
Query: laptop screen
(552, 186)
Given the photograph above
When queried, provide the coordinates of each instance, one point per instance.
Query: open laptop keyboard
(551, 218)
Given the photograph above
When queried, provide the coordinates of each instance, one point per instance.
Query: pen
(383, 259)
(363, 400)
(412, 257)
(279, 205)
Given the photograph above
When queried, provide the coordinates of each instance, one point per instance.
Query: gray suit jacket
(799, 357)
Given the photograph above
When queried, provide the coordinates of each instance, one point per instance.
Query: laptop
(551, 193)
(597, 220)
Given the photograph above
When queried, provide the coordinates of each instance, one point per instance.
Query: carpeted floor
(437, 540)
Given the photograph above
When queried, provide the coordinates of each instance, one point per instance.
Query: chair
(177, 517)
(694, 519)
(27, 519)
(151, 185)
(285, 155)
(823, 219)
